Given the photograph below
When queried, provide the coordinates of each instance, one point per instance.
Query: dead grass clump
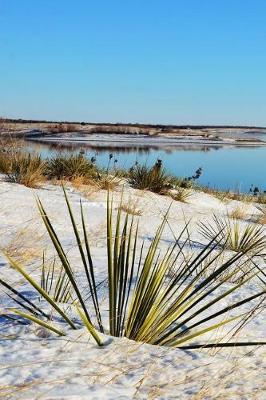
(239, 212)
(89, 186)
(79, 181)
(19, 166)
(4, 163)
(131, 206)
(86, 186)
(26, 245)
(260, 199)
(25, 169)
(261, 218)
(9, 148)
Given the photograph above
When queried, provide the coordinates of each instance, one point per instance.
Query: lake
(224, 167)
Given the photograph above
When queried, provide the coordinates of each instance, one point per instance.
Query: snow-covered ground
(73, 367)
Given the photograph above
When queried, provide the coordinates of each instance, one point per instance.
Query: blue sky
(157, 61)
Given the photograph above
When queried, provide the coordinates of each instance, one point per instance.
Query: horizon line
(139, 124)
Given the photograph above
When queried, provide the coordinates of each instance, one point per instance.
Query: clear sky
(157, 61)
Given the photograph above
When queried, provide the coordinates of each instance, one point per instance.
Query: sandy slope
(34, 367)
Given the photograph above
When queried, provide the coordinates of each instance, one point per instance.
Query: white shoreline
(143, 141)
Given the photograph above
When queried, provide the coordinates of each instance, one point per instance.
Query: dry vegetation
(239, 212)
(26, 244)
(261, 218)
(2, 124)
(131, 206)
(62, 128)
(227, 196)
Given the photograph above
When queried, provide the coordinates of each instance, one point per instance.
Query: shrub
(70, 166)
(149, 178)
(23, 168)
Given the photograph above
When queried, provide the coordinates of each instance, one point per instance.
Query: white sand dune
(73, 367)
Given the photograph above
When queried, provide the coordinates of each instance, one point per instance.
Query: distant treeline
(137, 125)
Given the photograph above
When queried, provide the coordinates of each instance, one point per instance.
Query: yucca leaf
(91, 273)
(22, 297)
(220, 344)
(38, 321)
(186, 338)
(89, 326)
(90, 278)
(39, 289)
(62, 256)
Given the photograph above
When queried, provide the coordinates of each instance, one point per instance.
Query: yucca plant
(146, 302)
(69, 166)
(232, 235)
(149, 178)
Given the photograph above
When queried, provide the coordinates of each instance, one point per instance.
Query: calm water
(234, 168)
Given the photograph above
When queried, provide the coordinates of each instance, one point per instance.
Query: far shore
(119, 140)
(132, 134)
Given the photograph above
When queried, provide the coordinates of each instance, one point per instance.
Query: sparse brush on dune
(226, 196)
(146, 304)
